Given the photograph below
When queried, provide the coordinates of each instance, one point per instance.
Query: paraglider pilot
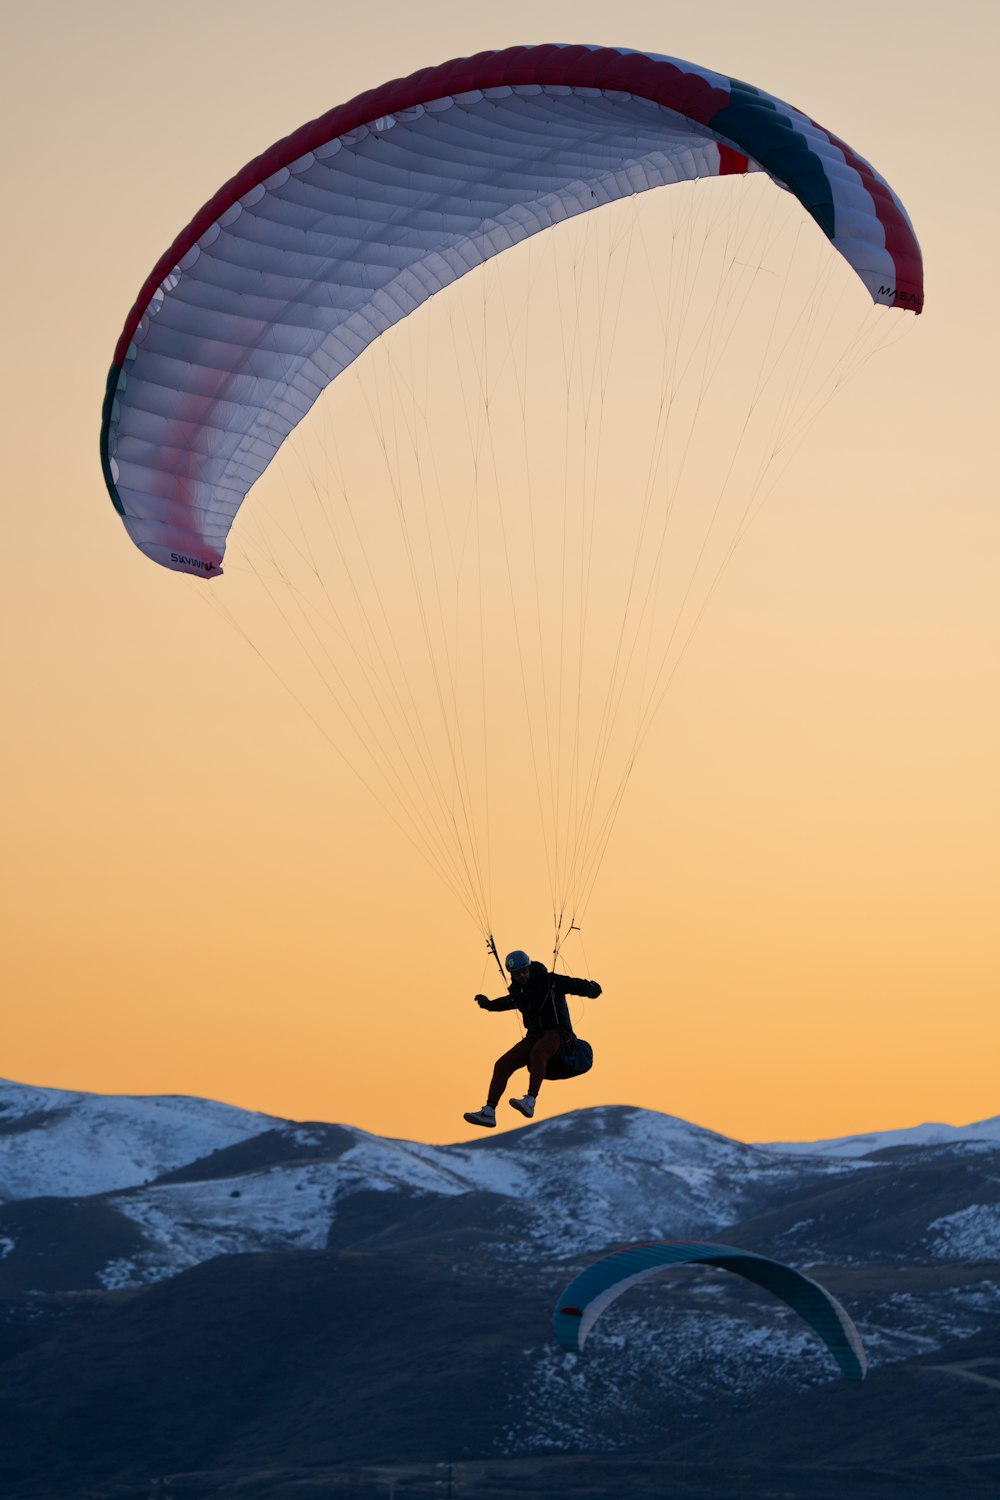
(540, 996)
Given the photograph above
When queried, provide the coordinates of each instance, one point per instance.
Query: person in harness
(540, 996)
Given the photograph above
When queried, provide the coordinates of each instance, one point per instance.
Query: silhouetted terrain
(305, 1311)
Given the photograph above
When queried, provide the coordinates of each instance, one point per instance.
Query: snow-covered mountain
(64, 1143)
(165, 1184)
(985, 1133)
(196, 1179)
(419, 1280)
(578, 1183)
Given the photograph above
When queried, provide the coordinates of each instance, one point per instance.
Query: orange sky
(795, 924)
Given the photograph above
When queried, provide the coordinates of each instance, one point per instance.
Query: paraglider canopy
(583, 1301)
(548, 521)
(339, 231)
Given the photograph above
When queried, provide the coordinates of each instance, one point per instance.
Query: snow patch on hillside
(54, 1143)
(972, 1233)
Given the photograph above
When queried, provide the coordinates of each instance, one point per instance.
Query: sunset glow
(209, 888)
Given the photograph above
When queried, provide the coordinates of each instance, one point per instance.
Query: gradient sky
(796, 924)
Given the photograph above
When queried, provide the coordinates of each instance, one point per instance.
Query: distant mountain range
(199, 1300)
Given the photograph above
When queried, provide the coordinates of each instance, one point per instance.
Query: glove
(593, 989)
(483, 1001)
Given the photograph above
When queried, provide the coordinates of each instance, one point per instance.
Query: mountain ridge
(279, 1308)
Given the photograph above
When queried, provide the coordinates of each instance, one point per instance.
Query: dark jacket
(541, 999)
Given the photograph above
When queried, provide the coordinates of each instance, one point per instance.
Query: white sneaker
(525, 1106)
(487, 1117)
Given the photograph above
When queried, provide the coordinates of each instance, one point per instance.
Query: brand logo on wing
(192, 562)
(900, 295)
